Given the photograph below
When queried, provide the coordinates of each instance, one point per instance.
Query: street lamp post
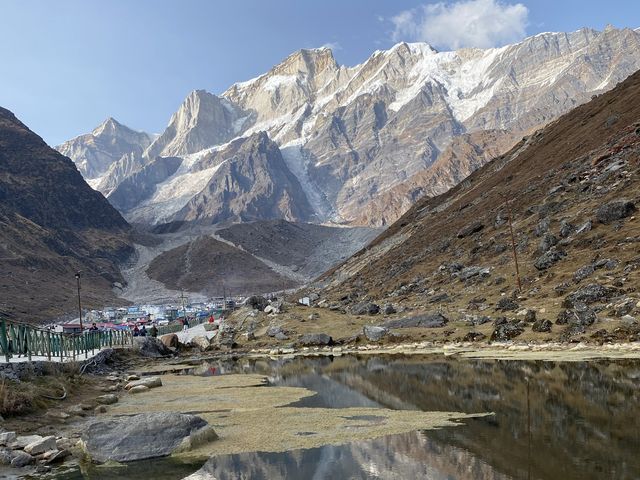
(79, 304)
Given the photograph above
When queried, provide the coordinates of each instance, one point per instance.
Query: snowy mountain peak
(349, 134)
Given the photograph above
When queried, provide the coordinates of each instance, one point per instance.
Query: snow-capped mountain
(94, 153)
(349, 135)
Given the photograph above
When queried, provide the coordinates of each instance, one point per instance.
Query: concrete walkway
(38, 358)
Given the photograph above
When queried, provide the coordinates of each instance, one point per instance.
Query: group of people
(142, 332)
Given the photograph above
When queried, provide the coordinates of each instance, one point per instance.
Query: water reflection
(552, 420)
(582, 421)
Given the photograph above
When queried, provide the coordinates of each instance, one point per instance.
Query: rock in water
(143, 436)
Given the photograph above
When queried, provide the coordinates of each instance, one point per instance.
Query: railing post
(49, 345)
(4, 340)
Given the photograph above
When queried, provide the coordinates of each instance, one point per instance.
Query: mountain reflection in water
(582, 421)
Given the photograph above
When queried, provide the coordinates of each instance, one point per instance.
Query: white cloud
(466, 23)
(335, 46)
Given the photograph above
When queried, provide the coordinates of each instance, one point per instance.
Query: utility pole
(79, 304)
(507, 204)
(224, 297)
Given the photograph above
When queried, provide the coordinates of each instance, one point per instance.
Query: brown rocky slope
(573, 189)
(52, 224)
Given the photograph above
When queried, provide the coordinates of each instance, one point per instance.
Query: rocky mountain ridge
(572, 192)
(52, 225)
(351, 135)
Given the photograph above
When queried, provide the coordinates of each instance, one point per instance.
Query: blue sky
(66, 65)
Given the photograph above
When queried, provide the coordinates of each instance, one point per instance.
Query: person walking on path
(136, 331)
(143, 331)
(185, 324)
(153, 331)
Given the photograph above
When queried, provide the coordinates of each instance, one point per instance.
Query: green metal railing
(23, 340)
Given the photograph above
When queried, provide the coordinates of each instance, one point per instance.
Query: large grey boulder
(592, 293)
(5, 456)
(143, 436)
(40, 446)
(616, 210)
(374, 333)
(7, 438)
(21, 459)
(365, 308)
(547, 259)
(151, 347)
(201, 343)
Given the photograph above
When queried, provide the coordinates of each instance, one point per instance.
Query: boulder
(620, 309)
(5, 456)
(20, 459)
(225, 338)
(138, 389)
(7, 438)
(474, 337)
(547, 259)
(541, 326)
(542, 227)
(270, 309)
(470, 229)
(40, 446)
(580, 315)
(108, 399)
(566, 229)
(592, 293)
(548, 240)
(22, 441)
(315, 340)
(201, 343)
(151, 347)
(506, 331)
(274, 330)
(257, 302)
(281, 337)
(616, 210)
(506, 304)
(57, 456)
(583, 272)
(170, 340)
(365, 308)
(144, 436)
(389, 309)
(584, 228)
(149, 382)
(471, 272)
(374, 333)
(530, 316)
(432, 320)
